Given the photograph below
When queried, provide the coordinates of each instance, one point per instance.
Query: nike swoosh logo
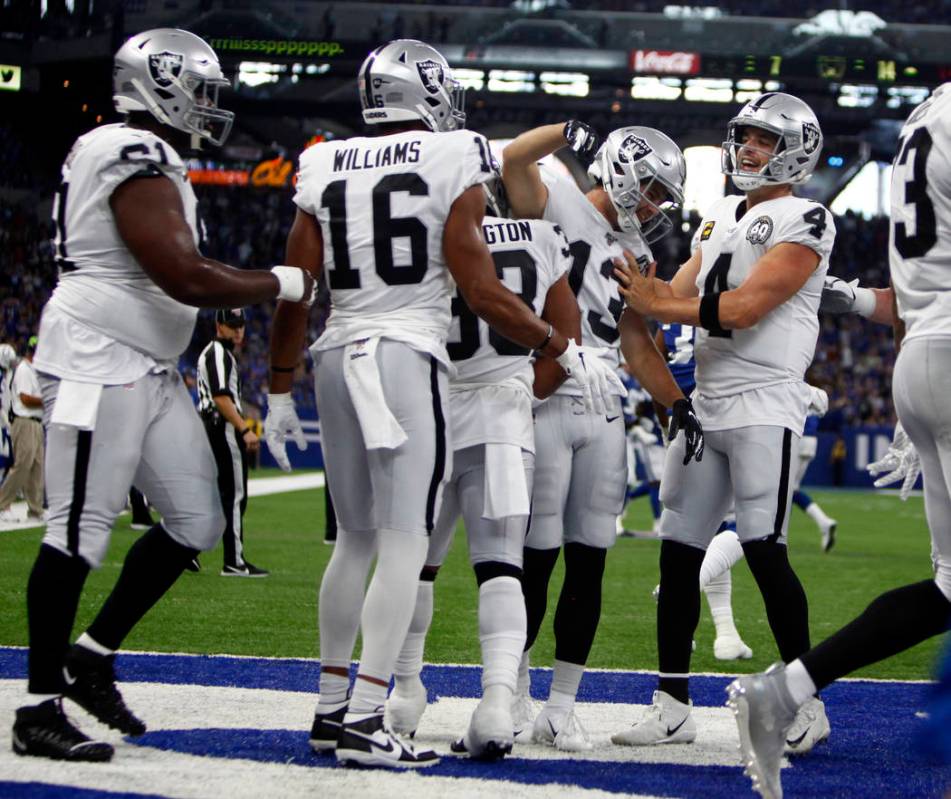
(672, 730)
(373, 743)
(70, 680)
(551, 726)
(796, 741)
(611, 418)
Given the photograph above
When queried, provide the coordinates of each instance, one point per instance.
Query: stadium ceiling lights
(906, 95)
(510, 80)
(570, 84)
(644, 88)
(856, 95)
(709, 90)
(257, 73)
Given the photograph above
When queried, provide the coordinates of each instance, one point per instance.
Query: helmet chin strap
(157, 111)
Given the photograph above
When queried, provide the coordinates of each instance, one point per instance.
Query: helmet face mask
(407, 80)
(641, 169)
(798, 146)
(175, 76)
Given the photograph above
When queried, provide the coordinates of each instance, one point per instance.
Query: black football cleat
(91, 683)
(44, 731)
(326, 729)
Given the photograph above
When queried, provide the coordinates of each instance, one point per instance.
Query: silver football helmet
(794, 158)
(406, 80)
(175, 76)
(630, 162)
(8, 356)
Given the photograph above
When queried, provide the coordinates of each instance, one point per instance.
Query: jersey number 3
(916, 195)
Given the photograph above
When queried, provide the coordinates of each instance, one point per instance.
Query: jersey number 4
(916, 195)
(386, 228)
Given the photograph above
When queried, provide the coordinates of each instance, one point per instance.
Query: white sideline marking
(257, 487)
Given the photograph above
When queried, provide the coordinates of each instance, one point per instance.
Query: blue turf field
(874, 750)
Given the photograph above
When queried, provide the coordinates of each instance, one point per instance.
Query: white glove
(280, 423)
(593, 375)
(839, 297)
(901, 462)
(643, 436)
(818, 402)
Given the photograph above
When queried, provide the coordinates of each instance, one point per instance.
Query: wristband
(551, 332)
(248, 429)
(283, 369)
(710, 312)
(864, 303)
(291, 280)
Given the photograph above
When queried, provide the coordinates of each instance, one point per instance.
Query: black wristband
(283, 369)
(710, 312)
(551, 332)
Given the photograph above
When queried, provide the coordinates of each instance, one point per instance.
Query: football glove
(682, 417)
(838, 297)
(593, 375)
(582, 139)
(818, 401)
(281, 423)
(901, 462)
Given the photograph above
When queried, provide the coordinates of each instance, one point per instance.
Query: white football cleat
(764, 711)
(666, 721)
(523, 716)
(561, 730)
(828, 534)
(731, 647)
(405, 707)
(811, 727)
(490, 735)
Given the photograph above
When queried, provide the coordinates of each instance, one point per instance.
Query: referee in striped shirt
(231, 437)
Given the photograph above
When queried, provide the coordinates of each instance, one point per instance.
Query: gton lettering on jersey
(491, 393)
(593, 244)
(919, 241)
(781, 346)
(382, 204)
(101, 285)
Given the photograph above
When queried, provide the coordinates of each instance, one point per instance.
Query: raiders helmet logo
(632, 149)
(760, 231)
(431, 74)
(165, 67)
(810, 137)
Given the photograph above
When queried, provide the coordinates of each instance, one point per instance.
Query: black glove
(582, 139)
(683, 418)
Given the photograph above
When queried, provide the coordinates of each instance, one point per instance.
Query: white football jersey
(101, 286)
(919, 241)
(593, 244)
(779, 348)
(491, 393)
(382, 204)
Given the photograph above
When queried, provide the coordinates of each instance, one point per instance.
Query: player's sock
(719, 593)
(802, 499)
(655, 500)
(340, 602)
(579, 605)
(52, 596)
(565, 680)
(151, 567)
(724, 552)
(501, 632)
(387, 612)
(787, 609)
(678, 611)
(537, 566)
(818, 515)
(524, 677)
(800, 684)
(892, 623)
(409, 662)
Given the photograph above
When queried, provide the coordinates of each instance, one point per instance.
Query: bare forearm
(510, 317)
(645, 362)
(31, 401)
(533, 145)
(885, 312)
(526, 191)
(205, 283)
(288, 332)
(227, 409)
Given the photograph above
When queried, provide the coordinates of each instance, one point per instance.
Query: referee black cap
(232, 317)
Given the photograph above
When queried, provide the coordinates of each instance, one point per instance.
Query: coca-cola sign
(665, 62)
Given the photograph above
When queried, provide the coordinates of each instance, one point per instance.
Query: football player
(394, 218)
(767, 704)
(581, 471)
(124, 308)
(752, 290)
(490, 404)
